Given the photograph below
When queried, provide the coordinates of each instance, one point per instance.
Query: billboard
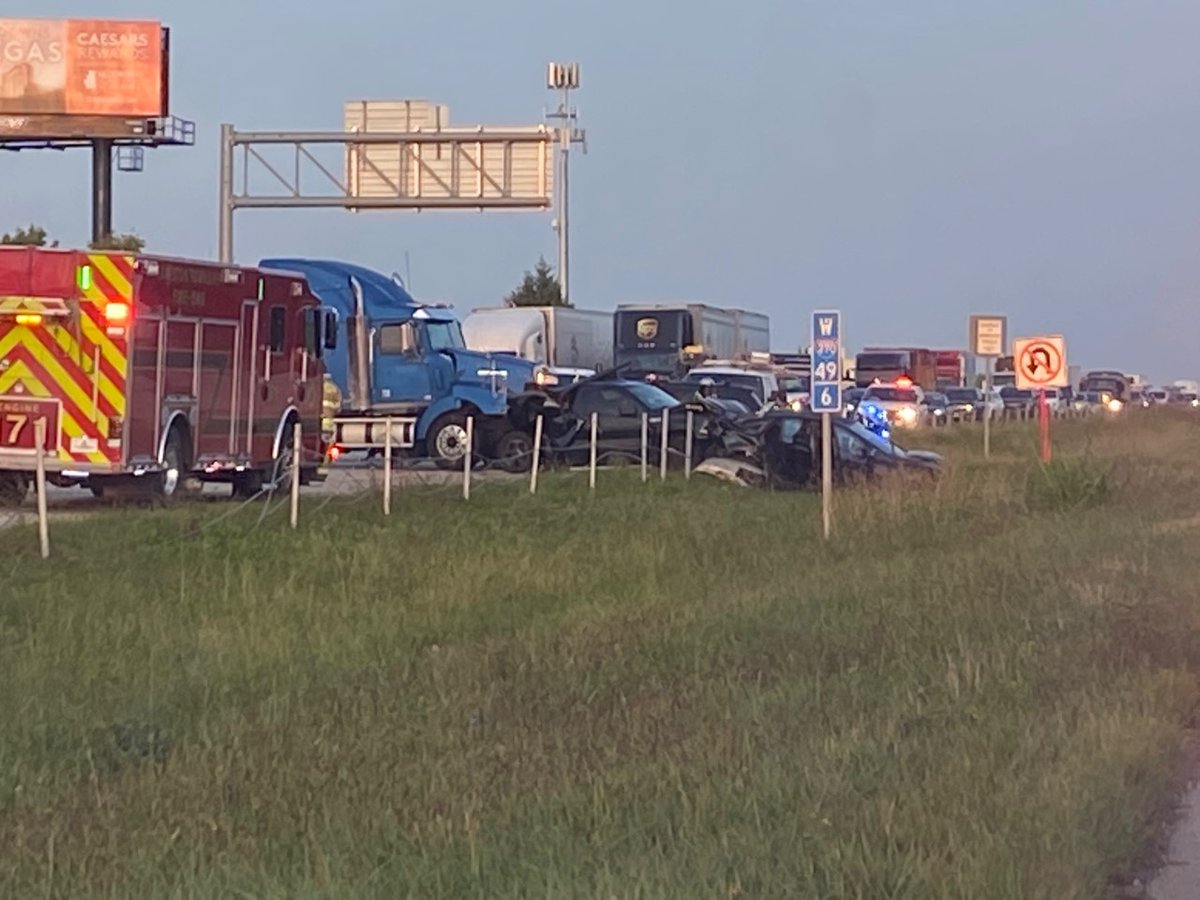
(82, 67)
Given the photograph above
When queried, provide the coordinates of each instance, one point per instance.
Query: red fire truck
(151, 373)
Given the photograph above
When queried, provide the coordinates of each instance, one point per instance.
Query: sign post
(826, 397)
(987, 340)
(1041, 363)
(40, 484)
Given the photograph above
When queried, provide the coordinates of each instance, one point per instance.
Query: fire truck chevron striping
(78, 362)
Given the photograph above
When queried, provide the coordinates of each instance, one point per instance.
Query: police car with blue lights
(899, 403)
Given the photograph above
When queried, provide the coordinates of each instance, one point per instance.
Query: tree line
(36, 236)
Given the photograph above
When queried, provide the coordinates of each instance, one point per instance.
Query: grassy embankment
(670, 691)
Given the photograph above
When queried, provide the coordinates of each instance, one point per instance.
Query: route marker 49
(826, 397)
(826, 394)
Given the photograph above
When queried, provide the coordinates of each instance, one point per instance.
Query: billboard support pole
(102, 153)
(225, 205)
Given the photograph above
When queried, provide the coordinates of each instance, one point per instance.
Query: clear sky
(908, 162)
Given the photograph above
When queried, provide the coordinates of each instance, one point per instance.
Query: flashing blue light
(875, 420)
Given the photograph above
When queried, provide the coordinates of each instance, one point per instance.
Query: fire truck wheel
(514, 452)
(13, 488)
(447, 440)
(281, 468)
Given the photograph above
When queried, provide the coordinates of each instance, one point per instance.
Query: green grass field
(656, 691)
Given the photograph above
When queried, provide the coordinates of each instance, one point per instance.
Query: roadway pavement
(1179, 878)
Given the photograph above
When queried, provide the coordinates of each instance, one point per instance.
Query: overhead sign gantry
(392, 154)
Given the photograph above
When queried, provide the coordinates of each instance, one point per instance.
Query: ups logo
(647, 329)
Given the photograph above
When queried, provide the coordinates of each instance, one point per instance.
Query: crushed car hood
(925, 457)
(735, 471)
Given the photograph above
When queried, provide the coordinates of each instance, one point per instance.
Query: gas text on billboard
(89, 67)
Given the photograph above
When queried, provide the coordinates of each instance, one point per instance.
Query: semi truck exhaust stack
(360, 350)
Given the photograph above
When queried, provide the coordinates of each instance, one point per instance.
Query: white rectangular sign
(988, 333)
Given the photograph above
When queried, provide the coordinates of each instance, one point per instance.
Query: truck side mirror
(408, 339)
(331, 329)
(312, 332)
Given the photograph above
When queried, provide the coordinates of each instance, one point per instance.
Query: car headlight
(1114, 405)
(796, 405)
(906, 414)
(543, 377)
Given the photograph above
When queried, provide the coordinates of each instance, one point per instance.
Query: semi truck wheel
(13, 488)
(514, 451)
(447, 440)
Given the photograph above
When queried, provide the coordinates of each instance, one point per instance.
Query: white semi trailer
(560, 337)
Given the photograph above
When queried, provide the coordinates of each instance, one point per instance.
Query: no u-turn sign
(1040, 362)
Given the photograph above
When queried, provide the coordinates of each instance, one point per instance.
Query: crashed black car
(619, 405)
(780, 449)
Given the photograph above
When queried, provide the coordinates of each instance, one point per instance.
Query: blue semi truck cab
(392, 358)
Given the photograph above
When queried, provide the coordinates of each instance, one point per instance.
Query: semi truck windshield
(445, 336)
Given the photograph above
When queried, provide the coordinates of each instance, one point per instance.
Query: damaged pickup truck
(781, 450)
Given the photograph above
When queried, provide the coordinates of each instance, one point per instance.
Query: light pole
(564, 77)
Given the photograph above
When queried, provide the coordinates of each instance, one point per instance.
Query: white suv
(762, 382)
